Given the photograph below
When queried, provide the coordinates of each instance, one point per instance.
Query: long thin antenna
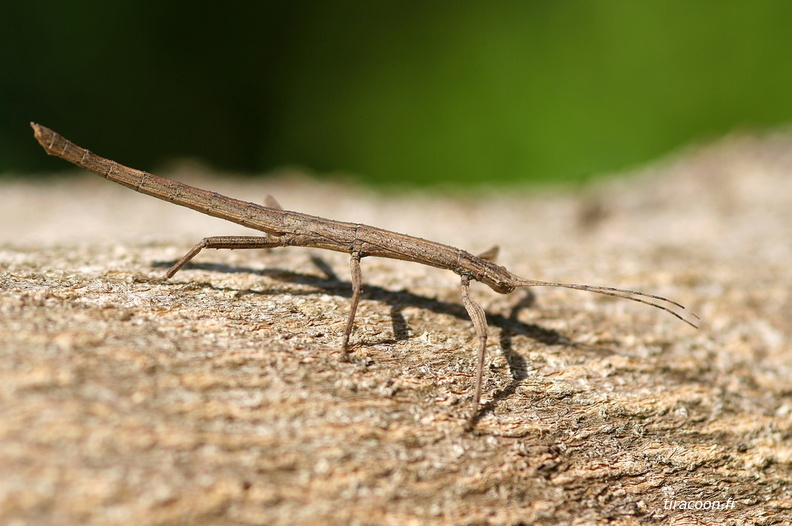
(672, 307)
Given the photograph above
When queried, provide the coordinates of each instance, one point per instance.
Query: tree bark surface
(219, 396)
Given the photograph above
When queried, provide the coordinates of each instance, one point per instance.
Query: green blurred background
(398, 92)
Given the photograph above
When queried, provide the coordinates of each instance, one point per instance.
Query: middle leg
(354, 266)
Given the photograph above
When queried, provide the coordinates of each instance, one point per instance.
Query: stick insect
(286, 228)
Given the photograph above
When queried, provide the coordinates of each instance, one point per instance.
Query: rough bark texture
(219, 397)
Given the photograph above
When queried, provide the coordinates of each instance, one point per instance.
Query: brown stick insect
(286, 228)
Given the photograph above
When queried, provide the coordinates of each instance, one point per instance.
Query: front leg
(479, 319)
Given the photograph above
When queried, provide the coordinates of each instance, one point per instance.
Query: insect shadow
(329, 282)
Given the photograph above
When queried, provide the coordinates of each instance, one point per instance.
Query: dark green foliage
(398, 92)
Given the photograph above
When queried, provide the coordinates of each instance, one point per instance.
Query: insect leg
(232, 242)
(479, 319)
(354, 265)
